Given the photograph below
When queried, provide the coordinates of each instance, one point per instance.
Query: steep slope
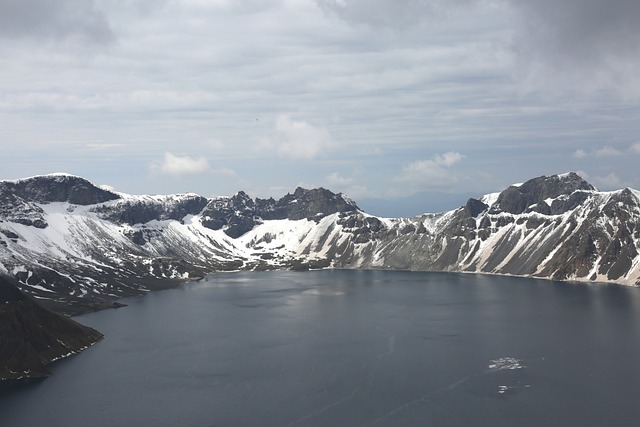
(31, 337)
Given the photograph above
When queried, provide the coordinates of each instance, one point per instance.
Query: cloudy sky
(374, 98)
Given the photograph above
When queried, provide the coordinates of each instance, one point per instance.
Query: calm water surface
(349, 348)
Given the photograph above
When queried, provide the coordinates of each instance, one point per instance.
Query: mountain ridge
(78, 247)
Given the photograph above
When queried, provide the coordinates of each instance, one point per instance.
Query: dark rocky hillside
(57, 188)
(31, 336)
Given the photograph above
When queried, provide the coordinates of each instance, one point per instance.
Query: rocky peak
(242, 201)
(240, 213)
(517, 198)
(299, 192)
(309, 204)
(59, 188)
(474, 207)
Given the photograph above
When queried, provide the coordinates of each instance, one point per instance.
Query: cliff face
(76, 257)
(31, 337)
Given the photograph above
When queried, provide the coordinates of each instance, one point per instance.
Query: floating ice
(506, 363)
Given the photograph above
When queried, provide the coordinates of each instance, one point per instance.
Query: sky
(372, 98)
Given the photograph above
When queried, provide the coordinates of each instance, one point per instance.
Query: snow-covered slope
(76, 247)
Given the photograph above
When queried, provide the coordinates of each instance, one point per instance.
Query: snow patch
(490, 199)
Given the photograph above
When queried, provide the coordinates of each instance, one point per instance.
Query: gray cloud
(577, 28)
(395, 14)
(371, 90)
(58, 20)
(556, 43)
(590, 45)
(584, 30)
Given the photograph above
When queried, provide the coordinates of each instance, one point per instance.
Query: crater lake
(350, 348)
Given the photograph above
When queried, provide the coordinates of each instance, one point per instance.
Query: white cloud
(607, 151)
(583, 174)
(181, 165)
(447, 159)
(297, 139)
(335, 182)
(579, 154)
(635, 148)
(607, 182)
(431, 173)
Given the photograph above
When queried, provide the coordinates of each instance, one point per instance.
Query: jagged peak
(575, 179)
(474, 207)
(303, 193)
(299, 191)
(241, 196)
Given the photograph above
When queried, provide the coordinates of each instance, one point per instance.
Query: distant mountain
(414, 205)
(74, 247)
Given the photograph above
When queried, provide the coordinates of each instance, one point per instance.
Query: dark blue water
(349, 348)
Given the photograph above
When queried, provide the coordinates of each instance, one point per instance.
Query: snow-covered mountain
(76, 247)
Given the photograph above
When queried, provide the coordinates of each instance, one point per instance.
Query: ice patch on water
(507, 389)
(502, 389)
(506, 363)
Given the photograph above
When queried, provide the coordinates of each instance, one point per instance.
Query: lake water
(350, 348)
